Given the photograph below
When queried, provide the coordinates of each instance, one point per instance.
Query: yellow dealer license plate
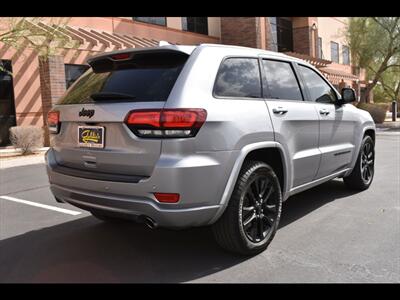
(91, 136)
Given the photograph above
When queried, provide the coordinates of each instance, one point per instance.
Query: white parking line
(65, 211)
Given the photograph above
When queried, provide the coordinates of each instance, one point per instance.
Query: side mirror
(348, 95)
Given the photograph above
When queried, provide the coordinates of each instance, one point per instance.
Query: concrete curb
(18, 150)
(22, 161)
(7, 155)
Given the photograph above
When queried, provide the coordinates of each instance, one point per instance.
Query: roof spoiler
(140, 58)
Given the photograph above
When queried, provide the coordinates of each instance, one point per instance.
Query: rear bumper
(199, 179)
(136, 208)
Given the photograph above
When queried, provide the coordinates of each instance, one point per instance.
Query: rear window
(144, 78)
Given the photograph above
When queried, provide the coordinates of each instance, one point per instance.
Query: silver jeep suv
(181, 136)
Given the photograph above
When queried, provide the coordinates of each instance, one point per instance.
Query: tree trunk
(397, 93)
(366, 98)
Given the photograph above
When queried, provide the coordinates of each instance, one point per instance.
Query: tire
(233, 231)
(357, 179)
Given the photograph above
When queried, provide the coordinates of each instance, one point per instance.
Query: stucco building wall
(332, 29)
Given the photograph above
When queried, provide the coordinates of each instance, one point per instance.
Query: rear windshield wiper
(111, 96)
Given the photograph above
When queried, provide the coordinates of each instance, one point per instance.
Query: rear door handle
(324, 112)
(279, 111)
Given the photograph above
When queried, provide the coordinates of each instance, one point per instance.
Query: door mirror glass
(348, 95)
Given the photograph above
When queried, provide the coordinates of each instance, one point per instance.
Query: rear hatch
(92, 135)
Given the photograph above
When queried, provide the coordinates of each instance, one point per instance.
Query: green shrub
(27, 138)
(377, 110)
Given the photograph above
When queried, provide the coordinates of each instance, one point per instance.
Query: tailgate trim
(95, 175)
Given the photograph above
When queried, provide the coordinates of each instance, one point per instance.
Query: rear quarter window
(238, 77)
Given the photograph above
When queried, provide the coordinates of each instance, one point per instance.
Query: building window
(346, 55)
(73, 72)
(195, 24)
(335, 52)
(285, 35)
(7, 104)
(355, 71)
(320, 48)
(152, 20)
(282, 34)
(273, 46)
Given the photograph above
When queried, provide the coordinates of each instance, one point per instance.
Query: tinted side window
(238, 77)
(320, 91)
(282, 82)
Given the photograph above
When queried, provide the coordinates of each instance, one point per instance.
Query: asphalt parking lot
(327, 234)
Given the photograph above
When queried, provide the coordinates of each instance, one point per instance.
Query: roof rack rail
(163, 43)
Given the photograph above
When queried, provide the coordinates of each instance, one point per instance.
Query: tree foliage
(388, 87)
(44, 37)
(375, 45)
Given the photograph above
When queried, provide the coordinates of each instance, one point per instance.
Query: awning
(97, 40)
(336, 76)
(317, 62)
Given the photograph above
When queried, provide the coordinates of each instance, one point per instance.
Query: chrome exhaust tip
(150, 223)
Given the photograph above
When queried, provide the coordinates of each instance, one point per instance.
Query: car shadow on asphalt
(308, 201)
(88, 250)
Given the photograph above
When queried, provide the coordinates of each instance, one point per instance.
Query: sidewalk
(11, 151)
(10, 157)
(389, 125)
(17, 161)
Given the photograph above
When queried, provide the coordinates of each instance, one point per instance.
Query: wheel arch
(367, 130)
(370, 132)
(268, 152)
(272, 157)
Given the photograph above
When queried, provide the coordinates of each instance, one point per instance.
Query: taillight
(166, 123)
(53, 121)
(144, 118)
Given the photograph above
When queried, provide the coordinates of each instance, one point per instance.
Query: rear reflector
(167, 197)
(166, 123)
(53, 121)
